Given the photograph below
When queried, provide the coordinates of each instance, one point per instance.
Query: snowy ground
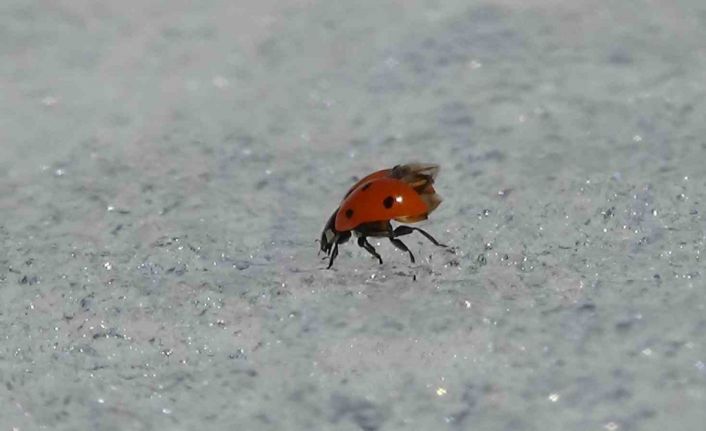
(166, 166)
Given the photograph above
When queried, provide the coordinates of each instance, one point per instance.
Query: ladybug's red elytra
(404, 193)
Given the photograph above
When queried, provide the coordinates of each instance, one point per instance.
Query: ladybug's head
(328, 235)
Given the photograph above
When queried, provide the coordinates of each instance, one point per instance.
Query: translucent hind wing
(412, 219)
(414, 170)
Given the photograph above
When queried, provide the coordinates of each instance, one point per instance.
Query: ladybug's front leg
(340, 238)
(334, 253)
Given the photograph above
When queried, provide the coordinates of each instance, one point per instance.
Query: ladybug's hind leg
(363, 242)
(406, 230)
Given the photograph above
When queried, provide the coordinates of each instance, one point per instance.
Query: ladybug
(404, 193)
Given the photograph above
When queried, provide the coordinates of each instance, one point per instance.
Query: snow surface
(166, 167)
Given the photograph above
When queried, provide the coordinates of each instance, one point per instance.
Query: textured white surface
(165, 167)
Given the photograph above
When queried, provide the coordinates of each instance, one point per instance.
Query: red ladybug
(404, 193)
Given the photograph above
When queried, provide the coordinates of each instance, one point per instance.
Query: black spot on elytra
(388, 201)
(349, 213)
(366, 187)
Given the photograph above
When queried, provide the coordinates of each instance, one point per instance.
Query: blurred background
(166, 167)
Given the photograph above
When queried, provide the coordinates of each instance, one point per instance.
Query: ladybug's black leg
(334, 253)
(399, 244)
(363, 242)
(339, 238)
(406, 230)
